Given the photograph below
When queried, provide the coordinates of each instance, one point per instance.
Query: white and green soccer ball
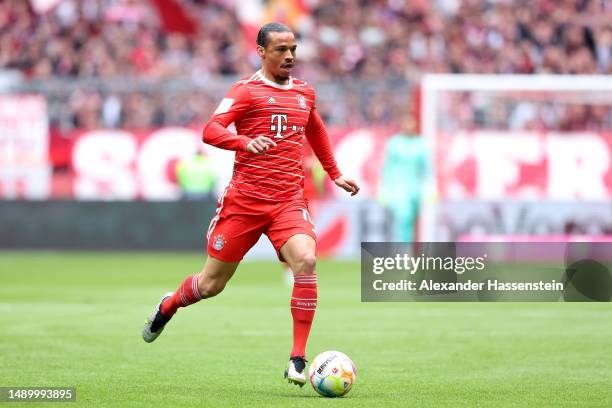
(332, 374)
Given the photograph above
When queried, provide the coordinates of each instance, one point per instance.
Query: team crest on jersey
(271, 100)
(219, 242)
(301, 101)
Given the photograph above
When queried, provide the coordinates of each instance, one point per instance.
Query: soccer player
(272, 112)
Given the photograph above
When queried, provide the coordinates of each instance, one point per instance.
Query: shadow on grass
(288, 394)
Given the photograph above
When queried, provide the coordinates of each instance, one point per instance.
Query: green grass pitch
(74, 319)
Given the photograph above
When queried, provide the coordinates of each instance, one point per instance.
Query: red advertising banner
(479, 165)
(492, 165)
(126, 165)
(24, 146)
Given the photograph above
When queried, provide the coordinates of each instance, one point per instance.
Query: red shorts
(240, 220)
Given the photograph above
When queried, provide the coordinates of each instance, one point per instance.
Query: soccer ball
(332, 374)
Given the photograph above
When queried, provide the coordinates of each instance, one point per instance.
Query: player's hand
(260, 145)
(347, 184)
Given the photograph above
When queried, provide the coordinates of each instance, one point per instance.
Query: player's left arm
(319, 141)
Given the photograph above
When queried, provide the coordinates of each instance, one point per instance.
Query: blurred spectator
(341, 40)
(196, 177)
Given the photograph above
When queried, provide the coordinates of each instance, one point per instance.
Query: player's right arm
(230, 110)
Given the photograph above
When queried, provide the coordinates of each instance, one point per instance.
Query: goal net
(517, 156)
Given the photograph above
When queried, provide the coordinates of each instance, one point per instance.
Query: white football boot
(296, 371)
(155, 322)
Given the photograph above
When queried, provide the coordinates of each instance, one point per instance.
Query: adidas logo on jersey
(271, 100)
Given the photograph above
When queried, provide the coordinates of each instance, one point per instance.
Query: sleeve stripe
(224, 106)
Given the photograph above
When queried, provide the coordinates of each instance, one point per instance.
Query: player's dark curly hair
(263, 39)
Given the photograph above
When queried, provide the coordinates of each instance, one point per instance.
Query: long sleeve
(231, 109)
(319, 141)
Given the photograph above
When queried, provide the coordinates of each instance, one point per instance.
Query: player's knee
(306, 264)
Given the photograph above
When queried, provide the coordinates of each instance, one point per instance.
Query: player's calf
(186, 294)
(211, 287)
(210, 282)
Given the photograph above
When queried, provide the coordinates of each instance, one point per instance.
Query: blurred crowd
(341, 42)
(525, 110)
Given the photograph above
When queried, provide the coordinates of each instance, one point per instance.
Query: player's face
(278, 57)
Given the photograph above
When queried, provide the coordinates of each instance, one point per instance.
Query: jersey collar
(274, 84)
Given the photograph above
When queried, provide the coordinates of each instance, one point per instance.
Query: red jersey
(284, 113)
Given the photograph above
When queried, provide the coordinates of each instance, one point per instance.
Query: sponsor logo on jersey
(219, 242)
(278, 124)
(271, 100)
(301, 101)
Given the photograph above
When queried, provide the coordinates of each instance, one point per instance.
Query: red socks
(186, 294)
(303, 306)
